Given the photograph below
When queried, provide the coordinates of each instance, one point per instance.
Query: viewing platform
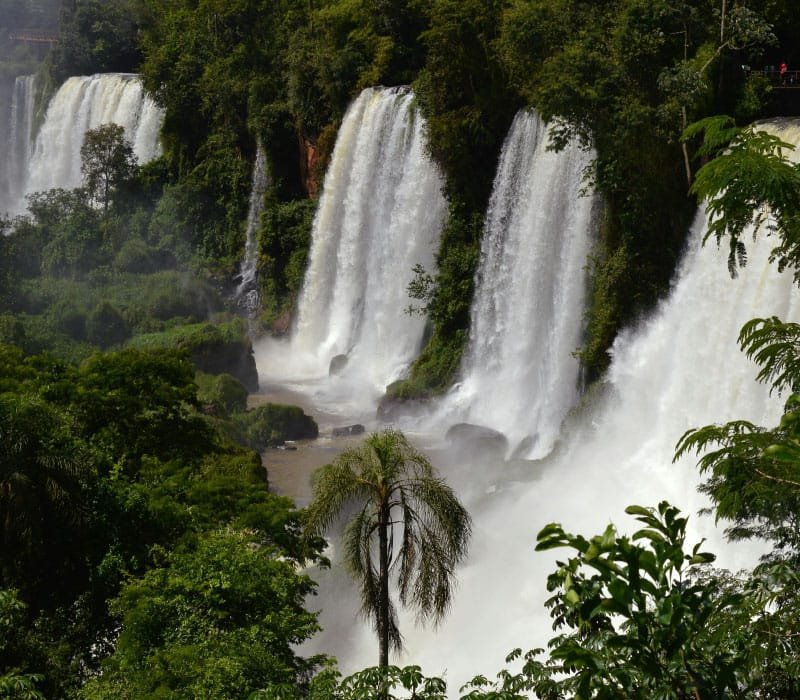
(789, 80)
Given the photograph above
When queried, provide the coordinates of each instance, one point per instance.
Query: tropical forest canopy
(141, 551)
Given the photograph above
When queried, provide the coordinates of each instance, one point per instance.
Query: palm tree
(40, 491)
(406, 516)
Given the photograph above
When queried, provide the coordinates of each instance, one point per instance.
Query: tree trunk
(383, 583)
(686, 163)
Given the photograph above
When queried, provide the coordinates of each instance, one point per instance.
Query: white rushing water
(247, 289)
(18, 145)
(678, 369)
(84, 103)
(380, 214)
(527, 313)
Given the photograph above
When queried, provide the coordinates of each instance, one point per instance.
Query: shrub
(272, 424)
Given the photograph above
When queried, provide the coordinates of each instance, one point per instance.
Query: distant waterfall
(518, 374)
(18, 144)
(84, 103)
(247, 290)
(379, 215)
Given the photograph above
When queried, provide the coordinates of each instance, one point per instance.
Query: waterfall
(529, 293)
(680, 368)
(247, 290)
(84, 103)
(19, 143)
(379, 215)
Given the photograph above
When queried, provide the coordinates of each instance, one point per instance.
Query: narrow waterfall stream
(19, 146)
(246, 293)
(530, 288)
(380, 214)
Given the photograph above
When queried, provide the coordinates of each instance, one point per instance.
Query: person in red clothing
(783, 70)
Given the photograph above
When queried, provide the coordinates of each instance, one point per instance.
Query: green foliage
(464, 96)
(221, 347)
(14, 684)
(609, 273)
(137, 403)
(97, 36)
(110, 472)
(219, 621)
(397, 498)
(642, 624)
(41, 493)
(753, 472)
(750, 183)
(272, 424)
(72, 318)
(390, 682)
(447, 300)
(69, 231)
(106, 327)
(135, 256)
(284, 242)
(220, 394)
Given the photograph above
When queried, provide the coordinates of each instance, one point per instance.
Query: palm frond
(334, 486)
(775, 346)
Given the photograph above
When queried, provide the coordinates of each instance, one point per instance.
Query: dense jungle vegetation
(138, 535)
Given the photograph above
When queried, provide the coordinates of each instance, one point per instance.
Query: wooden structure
(35, 36)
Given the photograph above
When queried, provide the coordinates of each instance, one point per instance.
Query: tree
(13, 683)
(406, 516)
(107, 160)
(41, 495)
(218, 621)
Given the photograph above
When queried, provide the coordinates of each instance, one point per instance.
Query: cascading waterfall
(84, 103)
(379, 215)
(530, 288)
(19, 144)
(679, 369)
(247, 291)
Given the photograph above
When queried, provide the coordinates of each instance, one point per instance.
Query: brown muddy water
(289, 471)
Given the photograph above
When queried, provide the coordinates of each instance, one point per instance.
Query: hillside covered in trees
(141, 551)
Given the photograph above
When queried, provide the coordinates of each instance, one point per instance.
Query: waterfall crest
(247, 291)
(380, 214)
(529, 294)
(19, 144)
(83, 103)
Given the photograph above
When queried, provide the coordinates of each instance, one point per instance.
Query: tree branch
(788, 482)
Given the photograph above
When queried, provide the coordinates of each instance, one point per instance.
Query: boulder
(393, 408)
(471, 436)
(338, 363)
(356, 429)
(525, 446)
